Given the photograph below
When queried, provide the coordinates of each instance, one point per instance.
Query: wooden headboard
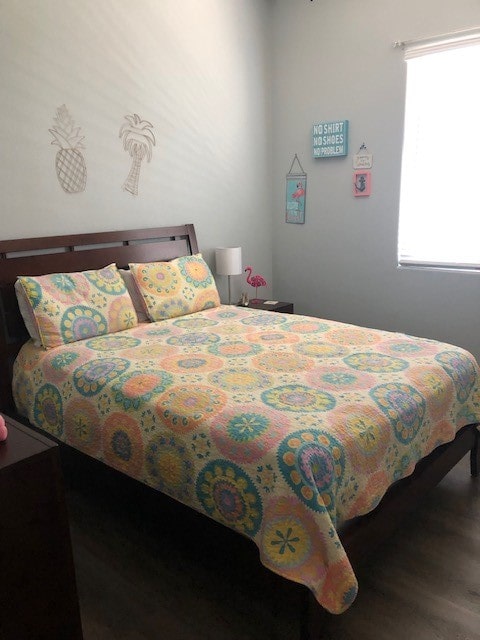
(58, 254)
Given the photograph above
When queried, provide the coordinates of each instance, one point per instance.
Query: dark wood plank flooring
(145, 575)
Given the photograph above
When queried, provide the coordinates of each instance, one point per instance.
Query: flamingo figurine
(255, 281)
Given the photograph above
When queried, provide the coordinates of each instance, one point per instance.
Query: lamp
(228, 262)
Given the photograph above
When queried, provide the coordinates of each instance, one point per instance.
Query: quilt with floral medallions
(278, 426)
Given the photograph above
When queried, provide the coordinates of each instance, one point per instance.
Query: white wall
(198, 70)
(201, 72)
(334, 60)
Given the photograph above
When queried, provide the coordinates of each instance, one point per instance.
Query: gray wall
(334, 60)
(233, 88)
(198, 70)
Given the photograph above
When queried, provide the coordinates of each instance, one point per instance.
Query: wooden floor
(141, 576)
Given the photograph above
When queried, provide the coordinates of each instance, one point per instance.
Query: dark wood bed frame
(37, 256)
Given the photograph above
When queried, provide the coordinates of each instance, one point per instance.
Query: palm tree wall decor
(138, 140)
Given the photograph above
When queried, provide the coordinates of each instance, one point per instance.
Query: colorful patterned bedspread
(278, 426)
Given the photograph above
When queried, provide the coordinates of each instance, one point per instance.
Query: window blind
(439, 222)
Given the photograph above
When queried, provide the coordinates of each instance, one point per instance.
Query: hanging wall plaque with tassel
(296, 193)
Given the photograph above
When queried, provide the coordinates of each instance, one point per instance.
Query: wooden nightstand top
(21, 443)
(279, 307)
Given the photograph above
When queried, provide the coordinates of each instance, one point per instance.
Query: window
(440, 186)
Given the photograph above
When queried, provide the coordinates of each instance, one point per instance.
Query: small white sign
(362, 161)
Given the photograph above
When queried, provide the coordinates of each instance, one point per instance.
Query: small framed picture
(295, 200)
(362, 183)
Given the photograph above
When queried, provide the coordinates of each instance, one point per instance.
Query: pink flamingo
(255, 281)
(299, 192)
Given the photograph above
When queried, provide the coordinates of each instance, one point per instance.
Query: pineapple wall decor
(138, 140)
(69, 161)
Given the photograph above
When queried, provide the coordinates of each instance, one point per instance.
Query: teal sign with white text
(330, 139)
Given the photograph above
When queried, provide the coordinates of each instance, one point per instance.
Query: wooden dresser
(38, 595)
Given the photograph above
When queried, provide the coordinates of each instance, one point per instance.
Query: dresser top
(21, 443)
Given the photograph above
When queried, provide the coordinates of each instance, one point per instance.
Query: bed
(310, 437)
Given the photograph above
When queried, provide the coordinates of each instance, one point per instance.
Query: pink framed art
(362, 183)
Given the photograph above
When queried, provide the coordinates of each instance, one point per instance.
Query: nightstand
(38, 595)
(279, 307)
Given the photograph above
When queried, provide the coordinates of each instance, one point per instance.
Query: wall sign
(363, 159)
(362, 183)
(330, 139)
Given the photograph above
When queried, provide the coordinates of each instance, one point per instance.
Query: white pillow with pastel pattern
(176, 288)
(73, 306)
